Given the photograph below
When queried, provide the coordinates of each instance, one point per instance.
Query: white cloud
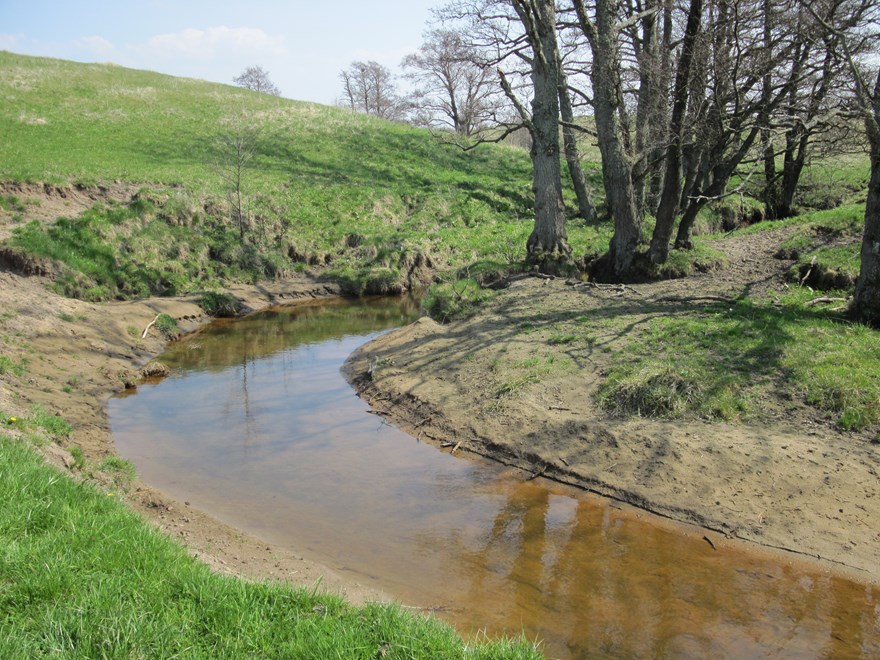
(10, 41)
(207, 44)
(98, 46)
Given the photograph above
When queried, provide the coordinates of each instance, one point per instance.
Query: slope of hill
(377, 205)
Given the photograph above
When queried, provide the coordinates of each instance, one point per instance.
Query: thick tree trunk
(616, 168)
(547, 246)
(672, 182)
(793, 164)
(866, 303)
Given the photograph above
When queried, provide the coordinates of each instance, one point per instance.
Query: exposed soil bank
(78, 354)
(794, 483)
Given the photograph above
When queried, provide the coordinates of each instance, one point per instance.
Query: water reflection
(259, 429)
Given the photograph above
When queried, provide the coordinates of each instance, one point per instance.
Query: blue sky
(303, 45)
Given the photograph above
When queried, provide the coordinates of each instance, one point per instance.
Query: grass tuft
(446, 301)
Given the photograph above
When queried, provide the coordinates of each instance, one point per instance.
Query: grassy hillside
(375, 201)
(377, 206)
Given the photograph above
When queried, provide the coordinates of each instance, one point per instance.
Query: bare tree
(518, 39)
(452, 88)
(237, 146)
(256, 79)
(733, 103)
(369, 87)
(866, 304)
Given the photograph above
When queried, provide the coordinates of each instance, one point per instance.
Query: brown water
(258, 427)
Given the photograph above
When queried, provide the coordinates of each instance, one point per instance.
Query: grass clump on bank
(83, 576)
(719, 362)
(456, 299)
(219, 304)
(10, 366)
(827, 248)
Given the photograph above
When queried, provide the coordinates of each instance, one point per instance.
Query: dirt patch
(78, 354)
(503, 385)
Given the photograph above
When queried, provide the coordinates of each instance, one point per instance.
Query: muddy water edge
(258, 428)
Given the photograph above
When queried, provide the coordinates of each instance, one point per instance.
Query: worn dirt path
(794, 482)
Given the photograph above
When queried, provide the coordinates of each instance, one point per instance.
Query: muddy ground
(794, 483)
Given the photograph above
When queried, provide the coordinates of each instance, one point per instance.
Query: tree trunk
(616, 168)
(547, 246)
(793, 164)
(586, 210)
(672, 182)
(866, 303)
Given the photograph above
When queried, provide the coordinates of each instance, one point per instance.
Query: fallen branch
(150, 325)
(709, 541)
(823, 299)
(444, 445)
(537, 474)
(457, 445)
(809, 272)
(558, 408)
(615, 288)
(681, 299)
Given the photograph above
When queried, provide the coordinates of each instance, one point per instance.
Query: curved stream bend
(258, 428)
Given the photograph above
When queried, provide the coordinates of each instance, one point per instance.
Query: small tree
(256, 79)
(237, 146)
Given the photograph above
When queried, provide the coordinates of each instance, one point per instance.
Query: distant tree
(256, 79)
(453, 89)
(369, 87)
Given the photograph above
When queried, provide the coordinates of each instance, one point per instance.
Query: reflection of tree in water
(598, 582)
(281, 329)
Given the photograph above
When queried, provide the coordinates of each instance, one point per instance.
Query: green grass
(728, 362)
(362, 199)
(827, 249)
(455, 299)
(167, 326)
(682, 263)
(9, 366)
(219, 304)
(114, 251)
(41, 418)
(82, 576)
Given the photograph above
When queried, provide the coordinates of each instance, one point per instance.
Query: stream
(257, 427)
